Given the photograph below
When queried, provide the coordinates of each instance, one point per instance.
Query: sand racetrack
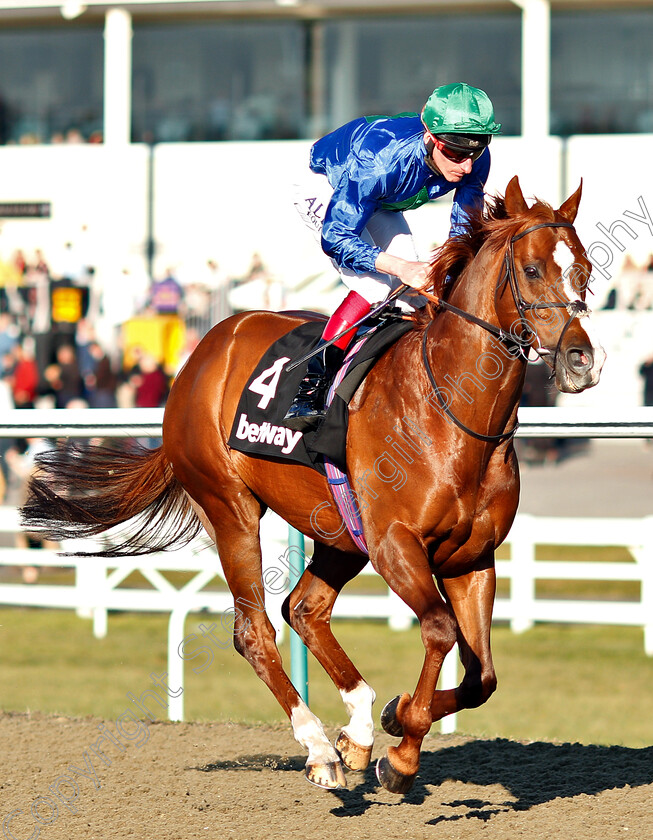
(185, 781)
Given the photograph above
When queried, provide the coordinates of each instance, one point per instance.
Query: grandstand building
(165, 133)
(211, 70)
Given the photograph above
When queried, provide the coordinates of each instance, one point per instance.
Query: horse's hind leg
(236, 529)
(308, 610)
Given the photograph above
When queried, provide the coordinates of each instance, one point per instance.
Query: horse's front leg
(401, 559)
(472, 599)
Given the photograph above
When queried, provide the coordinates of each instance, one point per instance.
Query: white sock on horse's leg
(358, 703)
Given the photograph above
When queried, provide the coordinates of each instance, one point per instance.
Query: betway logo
(265, 433)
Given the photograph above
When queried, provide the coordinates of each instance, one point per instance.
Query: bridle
(575, 308)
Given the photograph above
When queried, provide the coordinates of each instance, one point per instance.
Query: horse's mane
(488, 224)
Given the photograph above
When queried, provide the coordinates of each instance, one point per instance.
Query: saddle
(258, 424)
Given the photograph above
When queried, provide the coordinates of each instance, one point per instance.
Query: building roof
(69, 9)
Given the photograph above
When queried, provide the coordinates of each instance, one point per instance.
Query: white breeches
(386, 229)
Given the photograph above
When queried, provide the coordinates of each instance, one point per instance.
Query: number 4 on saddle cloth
(258, 425)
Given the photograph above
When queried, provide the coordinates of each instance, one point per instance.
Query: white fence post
(90, 576)
(274, 544)
(400, 615)
(100, 622)
(646, 562)
(175, 662)
(522, 581)
(448, 680)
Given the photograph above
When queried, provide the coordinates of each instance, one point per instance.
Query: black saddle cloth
(258, 425)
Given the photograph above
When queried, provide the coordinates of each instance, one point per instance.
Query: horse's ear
(569, 209)
(514, 200)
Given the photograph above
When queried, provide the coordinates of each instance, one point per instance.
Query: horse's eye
(531, 272)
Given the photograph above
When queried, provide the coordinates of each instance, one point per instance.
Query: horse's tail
(84, 491)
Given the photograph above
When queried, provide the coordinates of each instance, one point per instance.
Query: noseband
(575, 308)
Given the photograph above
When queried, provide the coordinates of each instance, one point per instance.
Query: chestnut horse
(442, 400)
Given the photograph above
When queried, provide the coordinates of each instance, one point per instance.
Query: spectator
(258, 288)
(19, 261)
(6, 404)
(70, 265)
(64, 377)
(11, 279)
(646, 372)
(74, 135)
(84, 338)
(40, 263)
(39, 309)
(219, 282)
(101, 381)
(9, 333)
(150, 383)
(167, 295)
(151, 386)
(24, 377)
(191, 342)
(257, 269)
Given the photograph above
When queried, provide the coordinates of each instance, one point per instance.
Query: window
(601, 72)
(249, 80)
(50, 84)
(216, 81)
(389, 65)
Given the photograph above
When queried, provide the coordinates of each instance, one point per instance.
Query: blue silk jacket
(378, 163)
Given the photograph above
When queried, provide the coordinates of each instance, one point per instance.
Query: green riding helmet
(461, 115)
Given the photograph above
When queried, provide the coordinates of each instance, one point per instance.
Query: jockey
(363, 176)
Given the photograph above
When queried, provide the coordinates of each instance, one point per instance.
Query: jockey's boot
(307, 409)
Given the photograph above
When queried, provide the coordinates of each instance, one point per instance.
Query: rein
(449, 412)
(575, 309)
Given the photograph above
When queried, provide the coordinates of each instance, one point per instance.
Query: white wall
(89, 186)
(616, 173)
(537, 163)
(225, 201)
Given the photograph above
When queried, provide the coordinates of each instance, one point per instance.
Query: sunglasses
(456, 155)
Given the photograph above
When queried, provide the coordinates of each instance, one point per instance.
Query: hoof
(389, 720)
(392, 779)
(329, 776)
(353, 756)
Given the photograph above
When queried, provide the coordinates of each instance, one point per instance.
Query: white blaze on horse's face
(564, 258)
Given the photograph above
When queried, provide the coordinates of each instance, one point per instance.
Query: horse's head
(544, 288)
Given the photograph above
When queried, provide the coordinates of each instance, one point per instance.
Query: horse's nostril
(579, 360)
